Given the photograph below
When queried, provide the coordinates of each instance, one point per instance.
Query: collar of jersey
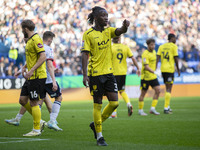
(96, 30)
(32, 36)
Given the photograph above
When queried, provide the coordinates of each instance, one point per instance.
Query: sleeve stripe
(85, 51)
(41, 52)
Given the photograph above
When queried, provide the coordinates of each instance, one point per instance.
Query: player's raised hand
(126, 23)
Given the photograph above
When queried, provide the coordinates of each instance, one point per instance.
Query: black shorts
(99, 85)
(35, 89)
(121, 79)
(48, 89)
(168, 77)
(145, 84)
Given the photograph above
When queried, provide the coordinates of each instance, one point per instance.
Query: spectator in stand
(150, 18)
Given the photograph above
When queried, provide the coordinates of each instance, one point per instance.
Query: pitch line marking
(19, 140)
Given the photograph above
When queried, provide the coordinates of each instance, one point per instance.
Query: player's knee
(158, 91)
(114, 104)
(22, 102)
(59, 98)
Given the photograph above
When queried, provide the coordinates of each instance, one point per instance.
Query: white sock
(99, 135)
(55, 110)
(152, 108)
(140, 110)
(128, 104)
(36, 130)
(19, 116)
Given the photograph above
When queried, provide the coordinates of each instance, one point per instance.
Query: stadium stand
(67, 18)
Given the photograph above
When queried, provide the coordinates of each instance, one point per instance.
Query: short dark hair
(171, 35)
(48, 34)
(150, 41)
(28, 24)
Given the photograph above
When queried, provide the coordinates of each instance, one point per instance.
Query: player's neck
(30, 34)
(150, 50)
(97, 27)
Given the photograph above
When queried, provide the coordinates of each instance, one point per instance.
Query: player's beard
(25, 35)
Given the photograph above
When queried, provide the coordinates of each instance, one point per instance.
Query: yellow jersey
(120, 53)
(34, 46)
(167, 52)
(148, 58)
(98, 44)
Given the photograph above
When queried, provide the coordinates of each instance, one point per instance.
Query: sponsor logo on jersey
(40, 45)
(103, 42)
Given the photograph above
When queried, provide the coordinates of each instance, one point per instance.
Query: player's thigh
(37, 89)
(112, 96)
(144, 85)
(121, 79)
(23, 99)
(53, 94)
(168, 78)
(154, 83)
(157, 89)
(96, 88)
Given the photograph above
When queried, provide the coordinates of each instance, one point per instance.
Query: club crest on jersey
(40, 45)
(106, 33)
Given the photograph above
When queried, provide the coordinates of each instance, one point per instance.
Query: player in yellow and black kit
(149, 77)
(34, 87)
(168, 53)
(120, 53)
(97, 47)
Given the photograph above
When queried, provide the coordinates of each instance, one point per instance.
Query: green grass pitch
(179, 131)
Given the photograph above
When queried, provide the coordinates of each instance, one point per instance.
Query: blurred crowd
(68, 20)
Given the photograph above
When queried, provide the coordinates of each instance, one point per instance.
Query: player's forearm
(135, 63)
(121, 30)
(149, 69)
(51, 71)
(25, 66)
(84, 62)
(176, 62)
(41, 60)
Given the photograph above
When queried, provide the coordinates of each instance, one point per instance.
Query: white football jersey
(49, 56)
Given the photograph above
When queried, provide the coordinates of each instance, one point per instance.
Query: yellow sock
(167, 99)
(154, 103)
(110, 107)
(97, 117)
(141, 104)
(28, 107)
(36, 113)
(125, 97)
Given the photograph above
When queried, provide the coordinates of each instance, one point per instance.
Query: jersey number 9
(120, 57)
